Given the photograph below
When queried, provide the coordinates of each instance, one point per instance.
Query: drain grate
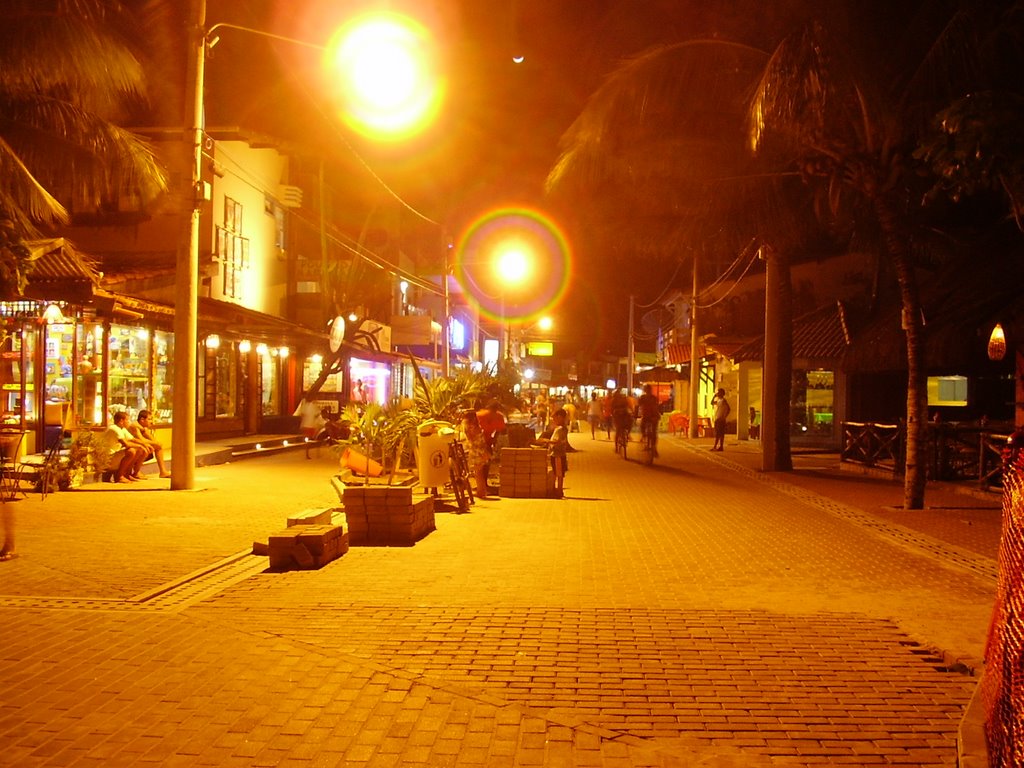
(171, 597)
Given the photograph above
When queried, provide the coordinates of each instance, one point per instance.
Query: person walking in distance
(594, 414)
(722, 409)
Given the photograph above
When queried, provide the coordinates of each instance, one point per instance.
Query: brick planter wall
(525, 473)
(306, 547)
(388, 516)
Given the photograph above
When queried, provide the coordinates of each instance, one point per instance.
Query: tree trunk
(913, 327)
(777, 384)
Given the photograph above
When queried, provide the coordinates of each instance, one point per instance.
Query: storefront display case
(129, 373)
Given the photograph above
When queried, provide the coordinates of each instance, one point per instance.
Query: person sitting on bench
(119, 453)
(142, 431)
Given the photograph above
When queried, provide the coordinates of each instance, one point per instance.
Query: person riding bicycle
(648, 412)
(622, 414)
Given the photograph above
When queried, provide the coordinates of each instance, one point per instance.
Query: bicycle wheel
(621, 441)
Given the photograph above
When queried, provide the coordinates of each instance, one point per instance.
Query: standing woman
(722, 409)
(477, 454)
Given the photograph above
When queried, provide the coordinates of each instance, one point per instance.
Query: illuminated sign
(456, 334)
(538, 349)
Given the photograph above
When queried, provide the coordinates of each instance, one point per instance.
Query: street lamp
(186, 290)
(512, 260)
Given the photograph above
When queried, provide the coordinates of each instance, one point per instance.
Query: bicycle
(458, 468)
(623, 426)
(649, 439)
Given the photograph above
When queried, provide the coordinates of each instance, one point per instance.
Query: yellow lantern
(997, 343)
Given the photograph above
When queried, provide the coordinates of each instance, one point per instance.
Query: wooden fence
(954, 452)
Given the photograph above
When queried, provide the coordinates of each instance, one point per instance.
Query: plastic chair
(10, 449)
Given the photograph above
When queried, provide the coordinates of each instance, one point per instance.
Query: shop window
(59, 341)
(129, 369)
(15, 355)
(311, 370)
(813, 402)
(226, 378)
(163, 376)
(270, 384)
(375, 378)
(947, 391)
(88, 373)
(203, 393)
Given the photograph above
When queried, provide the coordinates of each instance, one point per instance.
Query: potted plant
(71, 468)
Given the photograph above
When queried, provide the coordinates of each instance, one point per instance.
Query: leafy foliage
(71, 70)
(976, 147)
(444, 398)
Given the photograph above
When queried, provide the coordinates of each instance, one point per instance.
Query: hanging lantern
(997, 343)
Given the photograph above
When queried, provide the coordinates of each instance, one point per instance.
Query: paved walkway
(697, 613)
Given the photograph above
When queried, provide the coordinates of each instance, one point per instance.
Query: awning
(679, 354)
(821, 335)
(59, 272)
(659, 375)
(222, 317)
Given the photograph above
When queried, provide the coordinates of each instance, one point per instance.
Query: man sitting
(142, 431)
(119, 452)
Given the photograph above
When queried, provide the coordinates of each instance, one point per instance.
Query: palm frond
(691, 88)
(23, 200)
(79, 50)
(63, 144)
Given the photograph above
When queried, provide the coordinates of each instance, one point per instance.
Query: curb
(971, 744)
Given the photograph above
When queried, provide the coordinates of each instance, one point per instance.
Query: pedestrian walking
(594, 414)
(722, 410)
(7, 512)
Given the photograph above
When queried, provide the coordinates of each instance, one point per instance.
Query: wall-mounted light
(212, 341)
(244, 346)
(283, 352)
(403, 286)
(997, 343)
(261, 350)
(53, 314)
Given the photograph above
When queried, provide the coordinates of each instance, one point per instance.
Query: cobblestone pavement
(695, 613)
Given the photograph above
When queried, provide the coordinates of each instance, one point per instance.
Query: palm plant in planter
(382, 433)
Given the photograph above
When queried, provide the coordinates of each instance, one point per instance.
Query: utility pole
(631, 353)
(446, 330)
(186, 287)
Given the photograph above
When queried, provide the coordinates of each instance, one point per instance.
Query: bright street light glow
(545, 323)
(389, 87)
(512, 261)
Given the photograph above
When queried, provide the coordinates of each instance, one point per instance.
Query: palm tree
(849, 112)
(71, 69)
(666, 132)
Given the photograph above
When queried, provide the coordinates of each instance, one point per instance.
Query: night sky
(498, 134)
